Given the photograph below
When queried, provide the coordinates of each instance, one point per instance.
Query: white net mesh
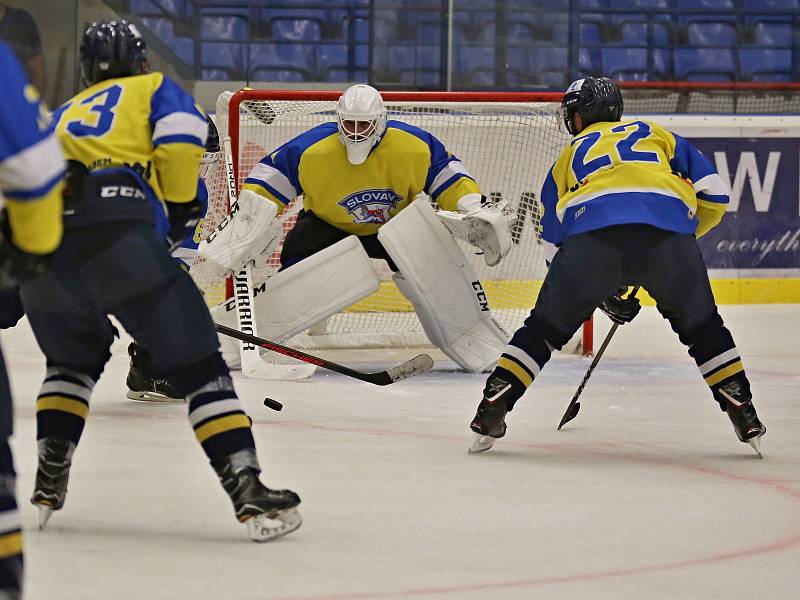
(507, 146)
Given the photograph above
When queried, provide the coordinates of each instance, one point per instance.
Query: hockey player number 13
(624, 149)
(102, 114)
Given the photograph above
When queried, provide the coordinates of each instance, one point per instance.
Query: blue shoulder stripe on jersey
(689, 161)
(269, 188)
(170, 98)
(552, 230)
(19, 117)
(38, 192)
(287, 157)
(415, 131)
(178, 138)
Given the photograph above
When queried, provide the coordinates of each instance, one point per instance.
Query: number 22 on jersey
(625, 149)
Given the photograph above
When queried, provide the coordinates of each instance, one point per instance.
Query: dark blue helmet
(211, 154)
(112, 49)
(595, 99)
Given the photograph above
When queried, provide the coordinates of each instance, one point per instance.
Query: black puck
(273, 404)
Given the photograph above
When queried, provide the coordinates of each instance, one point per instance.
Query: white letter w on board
(762, 194)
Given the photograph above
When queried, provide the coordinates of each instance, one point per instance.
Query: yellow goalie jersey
(358, 199)
(144, 126)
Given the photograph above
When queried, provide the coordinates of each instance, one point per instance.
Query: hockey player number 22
(102, 114)
(624, 149)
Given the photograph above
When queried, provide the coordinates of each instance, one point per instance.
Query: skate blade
(45, 512)
(756, 445)
(152, 397)
(480, 443)
(263, 528)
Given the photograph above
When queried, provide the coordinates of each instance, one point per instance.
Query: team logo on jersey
(371, 206)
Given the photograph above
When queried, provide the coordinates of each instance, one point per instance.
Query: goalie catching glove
(250, 230)
(621, 310)
(483, 224)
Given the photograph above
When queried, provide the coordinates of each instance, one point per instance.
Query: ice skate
(268, 514)
(749, 429)
(143, 388)
(489, 422)
(50, 491)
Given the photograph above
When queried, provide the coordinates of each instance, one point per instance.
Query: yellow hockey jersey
(631, 171)
(145, 125)
(358, 199)
(31, 164)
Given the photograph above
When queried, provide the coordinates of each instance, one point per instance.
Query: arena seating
(521, 44)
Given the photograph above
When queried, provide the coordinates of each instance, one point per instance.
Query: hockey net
(508, 141)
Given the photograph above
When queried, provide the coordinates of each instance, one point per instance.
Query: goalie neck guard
(595, 99)
(361, 118)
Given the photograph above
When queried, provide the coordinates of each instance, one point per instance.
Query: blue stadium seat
(474, 65)
(590, 34)
(704, 64)
(626, 4)
(215, 75)
(636, 33)
(161, 27)
(703, 34)
(223, 28)
(518, 61)
(767, 5)
(176, 8)
(697, 4)
(296, 30)
(589, 62)
(766, 64)
(625, 63)
(332, 62)
(145, 8)
(183, 47)
(225, 56)
(550, 65)
(773, 34)
(281, 59)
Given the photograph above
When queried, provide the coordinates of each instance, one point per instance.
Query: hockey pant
(10, 524)
(124, 270)
(591, 266)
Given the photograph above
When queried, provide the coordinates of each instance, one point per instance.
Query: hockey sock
(10, 527)
(713, 349)
(63, 404)
(215, 411)
(521, 360)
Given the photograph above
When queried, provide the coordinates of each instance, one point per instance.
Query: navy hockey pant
(10, 526)
(124, 270)
(591, 266)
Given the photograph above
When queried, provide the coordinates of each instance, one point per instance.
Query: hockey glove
(17, 265)
(621, 310)
(183, 220)
(482, 223)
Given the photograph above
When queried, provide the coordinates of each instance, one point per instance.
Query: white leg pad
(439, 282)
(304, 294)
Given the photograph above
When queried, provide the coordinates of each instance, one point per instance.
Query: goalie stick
(574, 405)
(415, 366)
(252, 365)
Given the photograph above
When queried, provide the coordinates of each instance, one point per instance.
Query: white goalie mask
(361, 117)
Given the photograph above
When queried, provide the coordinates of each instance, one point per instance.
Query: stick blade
(411, 368)
(569, 414)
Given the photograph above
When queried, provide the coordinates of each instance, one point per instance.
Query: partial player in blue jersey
(31, 179)
(134, 141)
(142, 383)
(624, 204)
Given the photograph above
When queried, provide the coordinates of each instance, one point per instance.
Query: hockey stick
(415, 366)
(574, 405)
(252, 365)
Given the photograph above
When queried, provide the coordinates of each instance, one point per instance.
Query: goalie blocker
(434, 276)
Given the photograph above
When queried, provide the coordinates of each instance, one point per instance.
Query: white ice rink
(646, 495)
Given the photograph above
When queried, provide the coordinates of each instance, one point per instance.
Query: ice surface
(647, 494)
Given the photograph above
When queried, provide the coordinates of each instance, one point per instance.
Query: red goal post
(507, 141)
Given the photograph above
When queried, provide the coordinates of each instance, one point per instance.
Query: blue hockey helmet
(112, 49)
(595, 99)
